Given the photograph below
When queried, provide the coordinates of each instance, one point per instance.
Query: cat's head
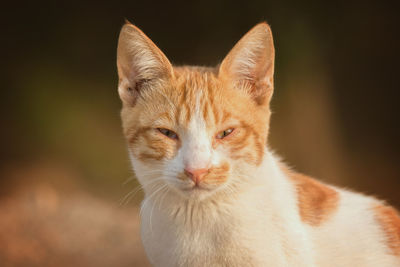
(196, 130)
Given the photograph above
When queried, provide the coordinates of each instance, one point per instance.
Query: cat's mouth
(196, 187)
(200, 190)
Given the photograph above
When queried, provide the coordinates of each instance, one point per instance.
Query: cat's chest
(197, 236)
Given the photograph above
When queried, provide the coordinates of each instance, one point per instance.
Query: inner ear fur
(250, 64)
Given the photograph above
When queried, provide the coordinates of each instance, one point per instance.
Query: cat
(214, 193)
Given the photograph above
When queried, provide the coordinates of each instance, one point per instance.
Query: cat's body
(214, 194)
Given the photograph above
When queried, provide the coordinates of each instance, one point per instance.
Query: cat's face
(196, 130)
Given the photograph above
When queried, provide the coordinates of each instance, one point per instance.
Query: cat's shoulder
(389, 221)
(316, 201)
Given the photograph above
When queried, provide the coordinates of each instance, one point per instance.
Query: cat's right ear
(140, 64)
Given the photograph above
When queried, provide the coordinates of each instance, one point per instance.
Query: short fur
(248, 209)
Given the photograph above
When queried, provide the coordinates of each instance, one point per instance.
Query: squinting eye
(225, 133)
(168, 133)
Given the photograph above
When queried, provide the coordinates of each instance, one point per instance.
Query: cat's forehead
(196, 94)
(196, 81)
(203, 96)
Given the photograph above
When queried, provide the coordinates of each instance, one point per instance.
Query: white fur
(197, 151)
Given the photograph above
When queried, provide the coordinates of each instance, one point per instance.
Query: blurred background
(63, 158)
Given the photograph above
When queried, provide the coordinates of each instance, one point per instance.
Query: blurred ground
(49, 221)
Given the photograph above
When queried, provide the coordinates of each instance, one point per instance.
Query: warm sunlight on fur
(214, 193)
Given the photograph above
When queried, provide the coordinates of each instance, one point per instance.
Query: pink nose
(196, 174)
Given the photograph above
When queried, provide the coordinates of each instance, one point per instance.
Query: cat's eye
(168, 133)
(225, 133)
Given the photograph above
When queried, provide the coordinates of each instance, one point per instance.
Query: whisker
(165, 194)
(129, 180)
(147, 199)
(154, 204)
(125, 200)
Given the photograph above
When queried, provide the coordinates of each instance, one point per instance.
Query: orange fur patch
(316, 202)
(389, 220)
(217, 175)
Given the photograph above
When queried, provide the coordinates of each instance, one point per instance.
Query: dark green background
(336, 94)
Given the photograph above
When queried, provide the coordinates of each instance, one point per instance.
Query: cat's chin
(196, 192)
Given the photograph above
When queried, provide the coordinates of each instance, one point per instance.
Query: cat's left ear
(250, 64)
